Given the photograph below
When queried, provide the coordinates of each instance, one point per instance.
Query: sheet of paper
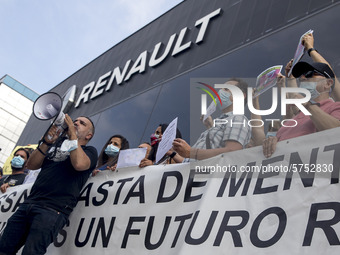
(300, 50)
(130, 157)
(210, 110)
(266, 79)
(168, 137)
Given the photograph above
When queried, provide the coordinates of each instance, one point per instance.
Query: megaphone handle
(59, 128)
(49, 137)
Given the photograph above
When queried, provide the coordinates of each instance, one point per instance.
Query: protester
(220, 138)
(108, 157)
(257, 131)
(308, 42)
(170, 157)
(54, 194)
(18, 165)
(318, 78)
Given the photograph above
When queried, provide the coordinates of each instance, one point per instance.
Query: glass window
(276, 15)
(297, 9)
(258, 19)
(243, 12)
(173, 101)
(128, 119)
(316, 5)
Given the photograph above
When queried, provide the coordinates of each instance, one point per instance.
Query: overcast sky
(44, 42)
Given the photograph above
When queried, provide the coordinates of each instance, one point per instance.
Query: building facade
(145, 79)
(16, 101)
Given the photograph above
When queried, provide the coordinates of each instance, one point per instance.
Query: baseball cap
(302, 67)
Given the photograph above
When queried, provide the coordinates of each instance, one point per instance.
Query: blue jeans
(33, 226)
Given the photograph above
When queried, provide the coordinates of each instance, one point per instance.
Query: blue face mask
(225, 98)
(111, 150)
(311, 87)
(17, 162)
(270, 134)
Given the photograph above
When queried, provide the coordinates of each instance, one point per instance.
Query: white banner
(247, 204)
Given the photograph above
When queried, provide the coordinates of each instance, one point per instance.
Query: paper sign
(266, 80)
(300, 50)
(168, 137)
(130, 157)
(210, 110)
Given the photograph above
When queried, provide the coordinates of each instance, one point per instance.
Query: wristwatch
(310, 50)
(311, 102)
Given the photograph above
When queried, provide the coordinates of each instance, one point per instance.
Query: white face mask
(225, 98)
(111, 150)
(17, 162)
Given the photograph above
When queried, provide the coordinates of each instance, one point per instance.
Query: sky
(44, 42)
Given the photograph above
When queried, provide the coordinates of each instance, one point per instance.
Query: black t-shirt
(58, 184)
(13, 179)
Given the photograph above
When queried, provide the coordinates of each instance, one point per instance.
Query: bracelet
(310, 50)
(196, 154)
(45, 142)
(173, 154)
(41, 151)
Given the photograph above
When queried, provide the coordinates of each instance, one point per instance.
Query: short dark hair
(93, 128)
(23, 149)
(105, 159)
(154, 148)
(165, 125)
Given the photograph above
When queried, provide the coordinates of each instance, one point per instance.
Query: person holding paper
(108, 157)
(257, 131)
(155, 138)
(318, 78)
(221, 138)
(308, 43)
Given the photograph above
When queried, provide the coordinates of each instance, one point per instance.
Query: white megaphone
(49, 106)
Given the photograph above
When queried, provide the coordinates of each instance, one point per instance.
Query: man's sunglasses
(310, 74)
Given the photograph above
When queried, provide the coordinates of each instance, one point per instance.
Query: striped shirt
(227, 127)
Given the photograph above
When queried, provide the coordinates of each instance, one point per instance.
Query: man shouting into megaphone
(55, 192)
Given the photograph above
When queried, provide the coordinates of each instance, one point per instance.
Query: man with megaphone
(65, 168)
